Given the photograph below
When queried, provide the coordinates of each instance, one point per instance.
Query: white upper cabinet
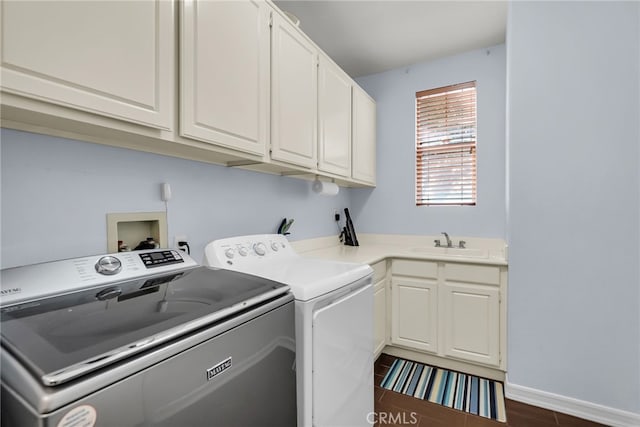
(224, 63)
(334, 119)
(364, 137)
(231, 82)
(111, 58)
(294, 95)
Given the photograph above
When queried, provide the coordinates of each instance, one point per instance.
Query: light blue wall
(390, 208)
(574, 232)
(574, 218)
(56, 193)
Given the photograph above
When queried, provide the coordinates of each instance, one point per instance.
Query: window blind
(446, 145)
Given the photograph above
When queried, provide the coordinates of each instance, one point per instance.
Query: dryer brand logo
(10, 291)
(219, 368)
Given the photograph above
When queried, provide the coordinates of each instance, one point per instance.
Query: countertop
(376, 247)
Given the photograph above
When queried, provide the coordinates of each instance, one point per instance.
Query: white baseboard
(568, 405)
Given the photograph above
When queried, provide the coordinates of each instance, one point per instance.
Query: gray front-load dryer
(163, 344)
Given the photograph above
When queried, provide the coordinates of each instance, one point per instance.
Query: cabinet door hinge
(270, 19)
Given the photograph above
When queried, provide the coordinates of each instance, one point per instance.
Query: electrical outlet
(336, 215)
(179, 238)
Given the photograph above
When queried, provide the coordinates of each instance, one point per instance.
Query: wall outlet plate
(179, 238)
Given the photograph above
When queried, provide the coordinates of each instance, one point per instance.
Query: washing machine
(144, 338)
(333, 324)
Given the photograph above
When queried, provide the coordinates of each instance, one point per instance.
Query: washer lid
(66, 336)
(309, 278)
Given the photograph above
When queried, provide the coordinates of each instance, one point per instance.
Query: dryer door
(343, 360)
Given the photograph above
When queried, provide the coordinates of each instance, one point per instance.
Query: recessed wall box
(133, 228)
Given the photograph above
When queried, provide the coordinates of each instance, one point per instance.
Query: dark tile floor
(407, 410)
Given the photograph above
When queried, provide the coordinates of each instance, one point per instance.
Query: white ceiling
(367, 37)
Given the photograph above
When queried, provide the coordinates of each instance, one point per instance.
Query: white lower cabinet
(380, 301)
(380, 317)
(470, 322)
(450, 310)
(414, 313)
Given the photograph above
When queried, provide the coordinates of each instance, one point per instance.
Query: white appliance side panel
(343, 360)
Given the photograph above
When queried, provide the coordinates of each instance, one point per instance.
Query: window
(446, 145)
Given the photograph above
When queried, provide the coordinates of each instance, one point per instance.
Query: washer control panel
(160, 258)
(32, 282)
(238, 252)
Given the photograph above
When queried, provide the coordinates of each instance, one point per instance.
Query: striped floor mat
(456, 390)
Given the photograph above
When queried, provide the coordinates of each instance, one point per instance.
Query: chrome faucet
(449, 244)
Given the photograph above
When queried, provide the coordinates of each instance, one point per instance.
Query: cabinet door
(294, 95)
(224, 62)
(364, 137)
(380, 317)
(414, 314)
(112, 58)
(470, 322)
(334, 119)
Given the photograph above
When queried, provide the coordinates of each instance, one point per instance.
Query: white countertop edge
(314, 244)
(377, 247)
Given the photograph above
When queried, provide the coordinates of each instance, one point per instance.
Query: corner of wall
(567, 405)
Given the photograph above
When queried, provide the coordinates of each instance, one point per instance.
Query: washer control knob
(260, 249)
(275, 246)
(243, 251)
(229, 253)
(108, 265)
